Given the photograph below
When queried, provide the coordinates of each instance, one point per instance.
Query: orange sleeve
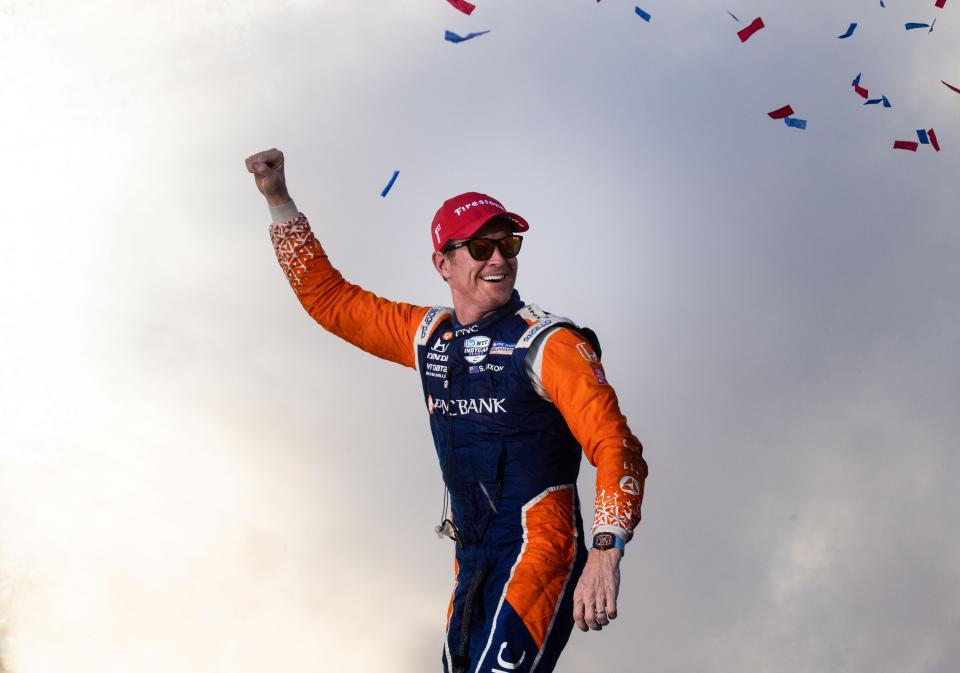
(381, 327)
(574, 380)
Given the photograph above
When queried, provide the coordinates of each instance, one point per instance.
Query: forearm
(574, 380)
(378, 326)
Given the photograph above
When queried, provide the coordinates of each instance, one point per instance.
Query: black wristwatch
(604, 541)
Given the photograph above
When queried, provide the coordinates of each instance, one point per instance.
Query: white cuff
(288, 211)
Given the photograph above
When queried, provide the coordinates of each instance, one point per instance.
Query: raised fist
(267, 168)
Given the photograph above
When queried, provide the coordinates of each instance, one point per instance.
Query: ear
(441, 263)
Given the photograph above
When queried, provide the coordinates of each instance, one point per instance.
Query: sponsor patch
(488, 405)
(440, 346)
(447, 335)
(427, 320)
(598, 372)
(475, 349)
(502, 348)
(630, 485)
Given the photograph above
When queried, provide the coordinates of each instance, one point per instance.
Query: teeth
(497, 277)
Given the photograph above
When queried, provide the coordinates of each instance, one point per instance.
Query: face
(478, 287)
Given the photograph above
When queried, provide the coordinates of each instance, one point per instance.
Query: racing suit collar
(512, 306)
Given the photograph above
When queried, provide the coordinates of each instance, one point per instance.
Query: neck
(468, 316)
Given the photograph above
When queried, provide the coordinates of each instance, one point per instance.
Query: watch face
(603, 541)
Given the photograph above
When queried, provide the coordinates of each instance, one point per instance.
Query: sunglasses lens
(481, 249)
(510, 246)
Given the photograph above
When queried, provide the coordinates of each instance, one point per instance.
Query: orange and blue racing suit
(513, 400)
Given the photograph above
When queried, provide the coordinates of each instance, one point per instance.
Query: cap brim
(519, 224)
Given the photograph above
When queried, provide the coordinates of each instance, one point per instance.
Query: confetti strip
(734, 16)
(932, 25)
(940, 3)
(922, 135)
(874, 101)
(912, 26)
(933, 139)
(642, 14)
(389, 184)
(463, 6)
(747, 32)
(450, 36)
(795, 123)
(950, 86)
(905, 145)
(886, 101)
(881, 3)
(780, 113)
(863, 93)
(849, 32)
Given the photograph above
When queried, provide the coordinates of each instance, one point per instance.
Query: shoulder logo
(586, 352)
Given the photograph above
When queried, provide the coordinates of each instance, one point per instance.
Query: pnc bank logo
(465, 407)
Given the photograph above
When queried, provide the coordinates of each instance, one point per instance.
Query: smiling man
(514, 395)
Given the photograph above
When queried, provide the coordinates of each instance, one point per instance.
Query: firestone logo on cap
(478, 202)
(462, 215)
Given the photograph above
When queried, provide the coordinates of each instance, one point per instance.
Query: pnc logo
(465, 407)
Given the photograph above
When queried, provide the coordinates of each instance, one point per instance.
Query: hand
(267, 167)
(595, 598)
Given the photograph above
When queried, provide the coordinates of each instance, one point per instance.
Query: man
(512, 394)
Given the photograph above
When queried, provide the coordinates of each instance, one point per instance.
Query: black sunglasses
(481, 249)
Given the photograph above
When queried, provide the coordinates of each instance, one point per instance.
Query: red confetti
(950, 86)
(932, 137)
(905, 145)
(780, 113)
(463, 6)
(860, 90)
(940, 3)
(747, 32)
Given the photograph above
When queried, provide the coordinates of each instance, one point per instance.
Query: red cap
(461, 216)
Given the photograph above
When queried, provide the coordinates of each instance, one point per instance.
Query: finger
(578, 615)
(601, 617)
(259, 162)
(611, 603)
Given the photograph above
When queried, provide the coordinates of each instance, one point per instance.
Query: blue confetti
(911, 26)
(932, 25)
(924, 140)
(389, 184)
(795, 123)
(849, 32)
(881, 3)
(856, 80)
(886, 102)
(642, 14)
(450, 36)
(874, 101)
(734, 16)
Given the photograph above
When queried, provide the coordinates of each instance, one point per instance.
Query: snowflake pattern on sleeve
(614, 510)
(295, 245)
